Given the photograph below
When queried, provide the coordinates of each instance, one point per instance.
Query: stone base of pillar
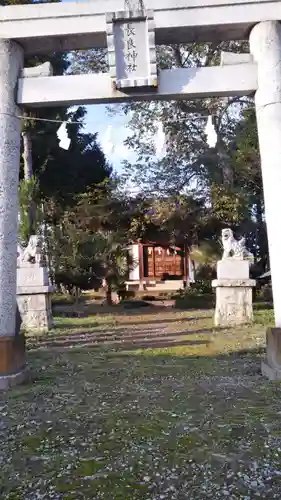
(269, 372)
(34, 297)
(233, 293)
(13, 369)
(271, 365)
(9, 381)
(35, 307)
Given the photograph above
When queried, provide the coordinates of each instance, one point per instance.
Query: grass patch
(61, 299)
(264, 316)
(193, 300)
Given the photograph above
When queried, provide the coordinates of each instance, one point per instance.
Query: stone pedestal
(34, 297)
(233, 293)
(271, 366)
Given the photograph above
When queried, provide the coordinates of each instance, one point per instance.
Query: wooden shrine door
(164, 262)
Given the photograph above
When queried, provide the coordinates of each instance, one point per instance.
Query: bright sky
(112, 142)
(112, 132)
(97, 120)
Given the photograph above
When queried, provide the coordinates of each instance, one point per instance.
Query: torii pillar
(12, 348)
(265, 46)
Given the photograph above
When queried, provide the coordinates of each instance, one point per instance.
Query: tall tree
(86, 244)
(47, 171)
(30, 129)
(63, 174)
(248, 177)
(219, 174)
(188, 161)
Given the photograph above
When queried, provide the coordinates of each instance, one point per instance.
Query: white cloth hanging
(211, 134)
(107, 144)
(62, 135)
(160, 141)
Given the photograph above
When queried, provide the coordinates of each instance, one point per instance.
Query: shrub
(267, 293)
(124, 294)
(134, 304)
(201, 287)
(195, 302)
(149, 298)
(200, 296)
(206, 272)
(62, 299)
(264, 293)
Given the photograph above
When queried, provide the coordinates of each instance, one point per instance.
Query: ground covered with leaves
(151, 406)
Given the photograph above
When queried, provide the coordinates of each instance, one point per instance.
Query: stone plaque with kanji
(131, 49)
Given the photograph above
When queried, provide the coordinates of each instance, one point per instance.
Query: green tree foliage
(112, 256)
(83, 250)
(60, 63)
(30, 210)
(63, 174)
(88, 61)
(47, 171)
(31, 129)
(248, 178)
(188, 159)
(72, 256)
(207, 253)
(178, 218)
(227, 176)
(190, 194)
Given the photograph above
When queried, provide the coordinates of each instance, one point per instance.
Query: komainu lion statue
(232, 247)
(32, 253)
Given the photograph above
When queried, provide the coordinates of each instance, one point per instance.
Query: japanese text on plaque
(131, 53)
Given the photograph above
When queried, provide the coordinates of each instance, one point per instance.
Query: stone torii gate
(130, 37)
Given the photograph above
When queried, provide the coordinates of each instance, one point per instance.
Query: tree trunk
(186, 262)
(27, 155)
(108, 293)
(77, 293)
(227, 169)
(261, 235)
(28, 174)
